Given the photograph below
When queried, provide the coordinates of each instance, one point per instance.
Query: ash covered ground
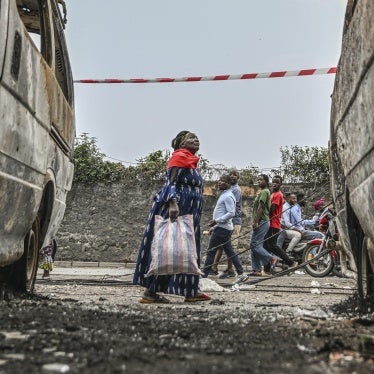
(90, 321)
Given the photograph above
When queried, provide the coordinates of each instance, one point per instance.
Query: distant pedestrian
(237, 222)
(260, 216)
(47, 255)
(221, 228)
(275, 215)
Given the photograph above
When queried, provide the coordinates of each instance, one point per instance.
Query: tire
(23, 272)
(322, 266)
(365, 278)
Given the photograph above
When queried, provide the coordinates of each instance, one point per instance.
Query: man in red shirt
(275, 216)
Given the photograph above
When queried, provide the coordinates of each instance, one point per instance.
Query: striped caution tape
(274, 74)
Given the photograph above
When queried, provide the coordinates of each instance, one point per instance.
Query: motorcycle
(296, 253)
(306, 250)
(325, 264)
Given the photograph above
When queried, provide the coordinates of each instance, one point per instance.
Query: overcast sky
(239, 123)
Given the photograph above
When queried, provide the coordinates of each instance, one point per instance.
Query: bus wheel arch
(46, 207)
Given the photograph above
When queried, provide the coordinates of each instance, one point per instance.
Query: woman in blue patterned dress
(182, 194)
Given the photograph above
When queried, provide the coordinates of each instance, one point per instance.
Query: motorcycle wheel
(322, 266)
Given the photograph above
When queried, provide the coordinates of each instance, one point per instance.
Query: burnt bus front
(37, 133)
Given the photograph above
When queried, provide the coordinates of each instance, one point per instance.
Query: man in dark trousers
(221, 229)
(275, 216)
(229, 272)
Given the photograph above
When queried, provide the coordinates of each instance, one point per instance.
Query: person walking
(47, 255)
(181, 194)
(237, 222)
(275, 216)
(221, 228)
(260, 216)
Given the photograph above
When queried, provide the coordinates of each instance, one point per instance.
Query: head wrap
(319, 203)
(178, 141)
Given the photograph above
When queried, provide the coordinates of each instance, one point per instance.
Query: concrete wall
(106, 222)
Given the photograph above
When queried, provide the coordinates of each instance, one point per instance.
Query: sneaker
(241, 278)
(213, 272)
(273, 264)
(227, 274)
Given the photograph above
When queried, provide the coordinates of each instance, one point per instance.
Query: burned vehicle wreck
(37, 132)
(352, 144)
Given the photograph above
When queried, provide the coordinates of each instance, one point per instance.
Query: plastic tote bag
(173, 247)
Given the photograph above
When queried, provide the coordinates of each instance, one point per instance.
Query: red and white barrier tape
(274, 74)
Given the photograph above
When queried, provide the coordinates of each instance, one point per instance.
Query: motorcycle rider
(319, 207)
(276, 209)
(299, 223)
(288, 231)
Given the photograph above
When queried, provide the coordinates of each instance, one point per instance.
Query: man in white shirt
(221, 228)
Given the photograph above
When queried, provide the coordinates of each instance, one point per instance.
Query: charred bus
(352, 143)
(37, 133)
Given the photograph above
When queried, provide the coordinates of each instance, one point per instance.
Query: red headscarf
(183, 158)
(319, 203)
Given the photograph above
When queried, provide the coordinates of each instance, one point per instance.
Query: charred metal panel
(21, 182)
(4, 6)
(352, 121)
(32, 70)
(355, 134)
(16, 55)
(338, 189)
(355, 60)
(60, 91)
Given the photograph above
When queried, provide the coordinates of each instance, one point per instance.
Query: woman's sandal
(154, 299)
(197, 297)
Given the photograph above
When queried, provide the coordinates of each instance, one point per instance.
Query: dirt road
(88, 320)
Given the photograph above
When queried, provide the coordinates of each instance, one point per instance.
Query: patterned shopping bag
(173, 247)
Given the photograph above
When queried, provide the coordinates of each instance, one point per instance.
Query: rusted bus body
(352, 141)
(37, 130)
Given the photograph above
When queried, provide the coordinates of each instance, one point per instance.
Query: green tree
(153, 166)
(91, 166)
(304, 164)
(89, 163)
(249, 175)
(298, 165)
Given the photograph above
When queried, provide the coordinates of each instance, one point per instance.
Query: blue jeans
(221, 238)
(310, 235)
(259, 255)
